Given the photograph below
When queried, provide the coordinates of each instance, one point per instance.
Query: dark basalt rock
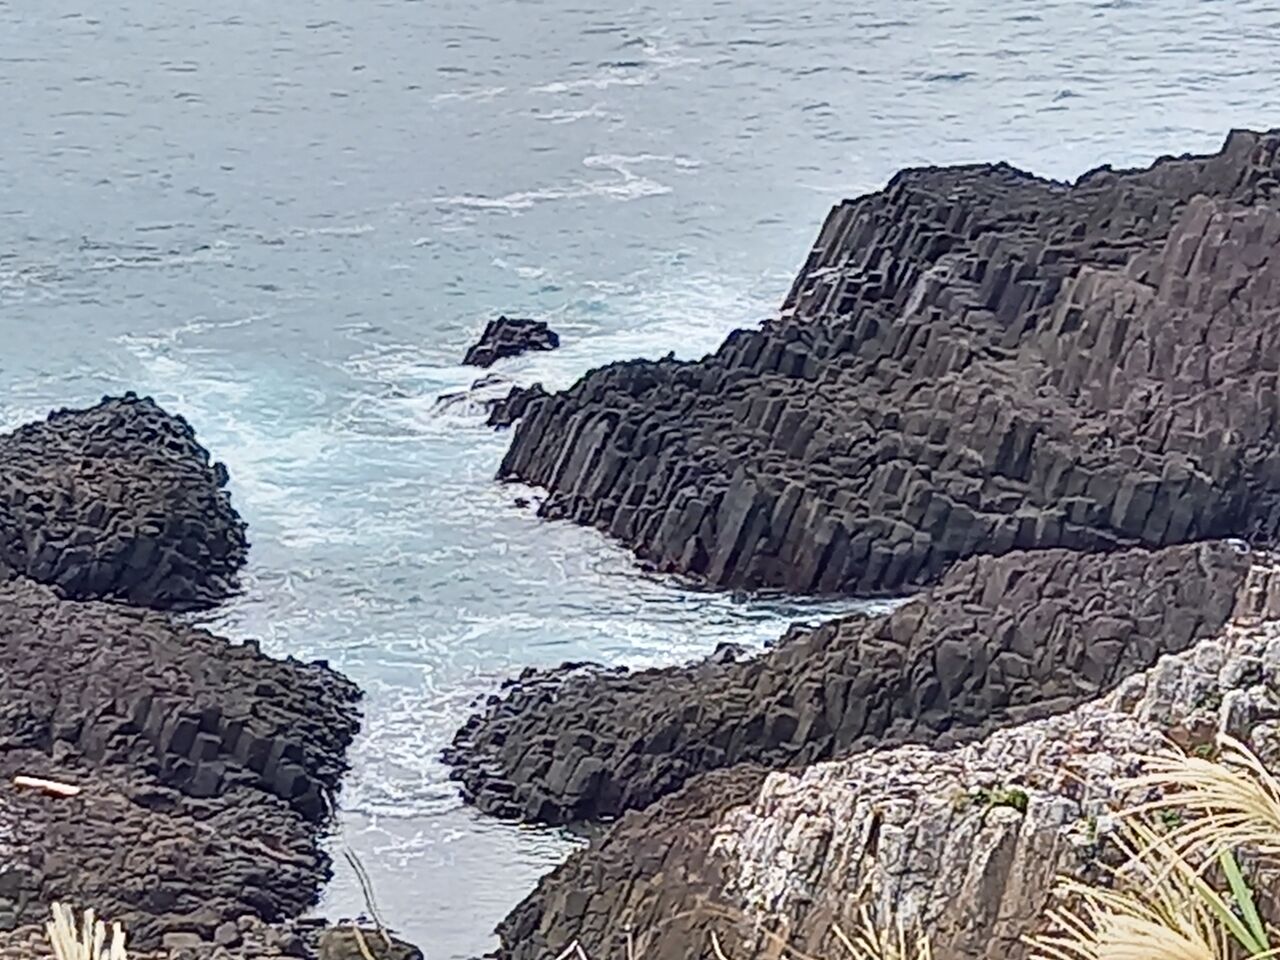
(506, 337)
(971, 361)
(507, 410)
(1001, 640)
(204, 766)
(119, 501)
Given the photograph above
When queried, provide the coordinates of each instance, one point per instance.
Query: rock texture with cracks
(967, 839)
(999, 641)
(119, 501)
(1041, 408)
(972, 361)
(205, 769)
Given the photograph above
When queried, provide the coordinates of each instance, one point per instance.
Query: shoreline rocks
(510, 337)
(1000, 641)
(968, 838)
(206, 770)
(971, 361)
(1048, 406)
(119, 501)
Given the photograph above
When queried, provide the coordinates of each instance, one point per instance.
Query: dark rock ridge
(1056, 628)
(971, 361)
(507, 337)
(1001, 640)
(119, 502)
(505, 411)
(206, 768)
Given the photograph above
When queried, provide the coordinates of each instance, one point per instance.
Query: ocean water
(288, 221)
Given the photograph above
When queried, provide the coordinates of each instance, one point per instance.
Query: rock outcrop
(507, 337)
(505, 411)
(206, 770)
(967, 839)
(119, 502)
(1000, 641)
(972, 361)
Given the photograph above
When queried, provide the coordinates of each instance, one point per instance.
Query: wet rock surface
(119, 501)
(507, 337)
(968, 839)
(972, 361)
(1001, 640)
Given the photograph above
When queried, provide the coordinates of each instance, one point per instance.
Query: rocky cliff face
(972, 361)
(967, 839)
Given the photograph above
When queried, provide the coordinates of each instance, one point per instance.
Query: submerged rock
(507, 337)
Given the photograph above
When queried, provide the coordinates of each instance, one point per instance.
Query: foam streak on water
(288, 221)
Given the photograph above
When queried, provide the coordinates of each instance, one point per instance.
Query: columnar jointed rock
(967, 839)
(205, 768)
(118, 501)
(972, 361)
(506, 337)
(999, 641)
(507, 410)
(202, 764)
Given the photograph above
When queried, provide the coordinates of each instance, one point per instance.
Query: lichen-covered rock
(999, 641)
(119, 501)
(972, 361)
(968, 839)
(205, 768)
(508, 337)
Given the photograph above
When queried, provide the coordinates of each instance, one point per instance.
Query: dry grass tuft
(88, 941)
(1235, 800)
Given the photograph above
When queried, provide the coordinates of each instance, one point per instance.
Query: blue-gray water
(287, 220)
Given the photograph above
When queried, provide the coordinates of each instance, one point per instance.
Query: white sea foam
(482, 95)
(354, 230)
(595, 111)
(626, 185)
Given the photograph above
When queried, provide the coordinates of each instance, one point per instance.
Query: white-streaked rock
(940, 836)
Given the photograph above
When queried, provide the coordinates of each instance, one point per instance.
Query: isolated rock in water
(505, 411)
(506, 337)
(119, 501)
(1001, 640)
(969, 839)
(971, 361)
(205, 769)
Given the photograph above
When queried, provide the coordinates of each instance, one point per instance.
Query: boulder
(119, 501)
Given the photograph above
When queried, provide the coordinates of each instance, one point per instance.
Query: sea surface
(288, 221)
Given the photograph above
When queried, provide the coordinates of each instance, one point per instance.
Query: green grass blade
(1242, 934)
(1243, 897)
